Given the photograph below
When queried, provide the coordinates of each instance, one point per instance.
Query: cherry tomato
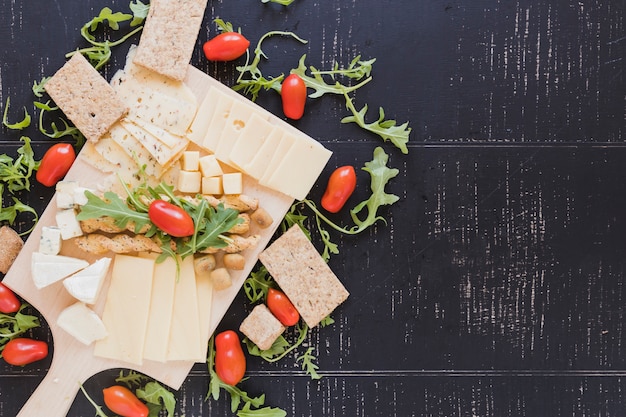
(281, 307)
(8, 300)
(22, 351)
(230, 362)
(341, 185)
(55, 163)
(226, 46)
(122, 401)
(172, 219)
(293, 94)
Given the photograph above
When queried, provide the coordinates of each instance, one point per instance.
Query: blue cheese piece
(82, 323)
(68, 224)
(86, 284)
(65, 193)
(50, 240)
(48, 269)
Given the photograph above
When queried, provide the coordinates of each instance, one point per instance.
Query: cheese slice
(286, 142)
(113, 153)
(135, 150)
(48, 269)
(85, 285)
(162, 153)
(218, 121)
(201, 122)
(185, 342)
(126, 309)
(169, 139)
(204, 287)
(161, 308)
(257, 166)
(238, 117)
(82, 323)
(250, 140)
(299, 169)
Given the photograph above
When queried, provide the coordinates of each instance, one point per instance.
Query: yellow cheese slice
(204, 287)
(218, 121)
(185, 343)
(250, 140)
(126, 309)
(257, 166)
(169, 139)
(286, 142)
(135, 150)
(201, 122)
(161, 309)
(162, 153)
(238, 117)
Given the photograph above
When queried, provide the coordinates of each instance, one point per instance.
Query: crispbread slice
(261, 327)
(85, 97)
(169, 36)
(304, 277)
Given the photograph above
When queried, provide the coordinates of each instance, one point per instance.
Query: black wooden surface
(497, 287)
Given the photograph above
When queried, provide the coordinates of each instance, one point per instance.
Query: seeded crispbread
(304, 276)
(169, 36)
(10, 245)
(261, 327)
(85, 97)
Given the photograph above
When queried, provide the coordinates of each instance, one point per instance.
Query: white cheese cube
(80, 199)
(189, 181)
(50, 240)
(212, 185)
(232, 183)
(191, 160)
(210, 167)
(85, 285)
(82, 323)
(65, 194)
(69, 225)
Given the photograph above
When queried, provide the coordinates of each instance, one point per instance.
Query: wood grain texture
(497, 286)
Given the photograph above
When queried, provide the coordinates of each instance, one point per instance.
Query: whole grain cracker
(304, 276)
(10, 245)
(85, 97)
(261, 327)
(169, 36)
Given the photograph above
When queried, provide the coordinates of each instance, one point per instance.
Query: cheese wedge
(85, 285)
(82, 323)
(48, 269)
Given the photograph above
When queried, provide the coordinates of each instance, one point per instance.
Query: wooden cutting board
(73, 362)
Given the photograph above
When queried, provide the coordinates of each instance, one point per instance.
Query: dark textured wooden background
(498, 286)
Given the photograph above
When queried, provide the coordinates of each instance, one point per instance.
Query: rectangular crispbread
(85, 97)
(261, 327)
(304, 276)
(169, 36)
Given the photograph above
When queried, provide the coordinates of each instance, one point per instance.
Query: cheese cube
(190, 160)
(209, 166)
(50, 240)
(232, 183)
(212, 185)
(189, 181)
(80, 199)
(65, 194)
(69, 225)
(82, 322)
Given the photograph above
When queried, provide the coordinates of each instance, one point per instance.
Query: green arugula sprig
(320, 86)
(56, 133)
(252, 406)
(281, 2)
(99, 52)
(12, 326)
(22, 124)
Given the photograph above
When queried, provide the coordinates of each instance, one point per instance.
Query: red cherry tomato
(172, 219)
(226, 46)
(293, 94)
(122, 401)
(8, 300)
(22, 351)
(230, 362)
(281, 307)
(341, 185)
(55, 163)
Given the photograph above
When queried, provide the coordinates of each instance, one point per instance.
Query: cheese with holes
(238, 116)
(82, 323)
(126, 309)
(252, 136)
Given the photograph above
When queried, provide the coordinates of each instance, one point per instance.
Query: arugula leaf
(281, 347)
(140, 12)
(23, 124)
(56, 133)
(10, 213)
(223, 26)
(16, 173)
(132, 379)
(39, 87)
(386, 129)
(257, 284)
(380, 175)
(98, 408)
(112, 205)
(357, 69)
(308, 364)
(154, 393)
(281, 2)
(12, 326)
(246, 411)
